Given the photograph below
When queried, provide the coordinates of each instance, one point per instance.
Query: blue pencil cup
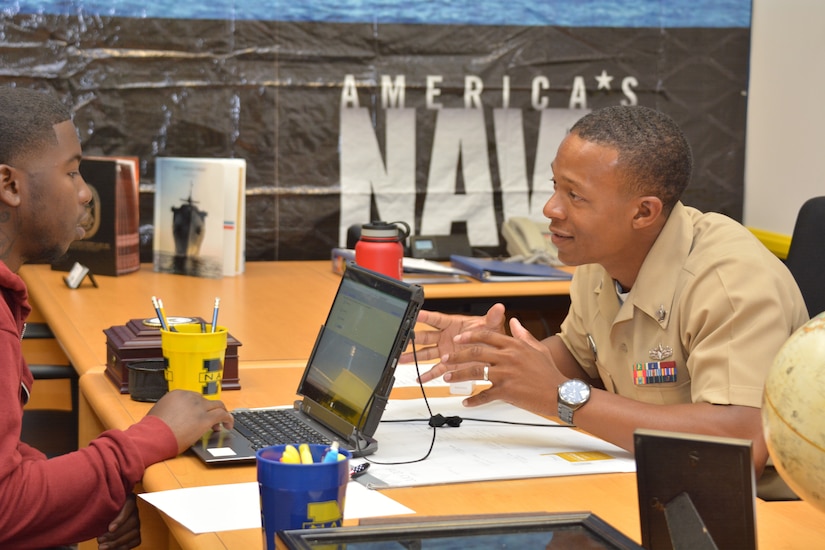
(300, 496)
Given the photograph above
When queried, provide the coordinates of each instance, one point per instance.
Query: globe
(793, 412)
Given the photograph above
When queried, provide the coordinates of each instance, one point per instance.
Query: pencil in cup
(215, 313)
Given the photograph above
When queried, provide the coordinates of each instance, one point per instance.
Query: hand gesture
(521, 369)
(440, 342)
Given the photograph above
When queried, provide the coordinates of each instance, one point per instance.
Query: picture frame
(77, 274)
(560, 530)
(695, 491)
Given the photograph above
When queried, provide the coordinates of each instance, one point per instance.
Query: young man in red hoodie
(88, 493)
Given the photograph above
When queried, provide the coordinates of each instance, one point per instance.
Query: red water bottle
(380, 247)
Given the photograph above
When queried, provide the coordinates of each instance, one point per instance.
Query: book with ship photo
(200, 216)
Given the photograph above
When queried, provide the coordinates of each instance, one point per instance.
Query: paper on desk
(421, 265)
(194, 507)
(406, 376)
(478, 451)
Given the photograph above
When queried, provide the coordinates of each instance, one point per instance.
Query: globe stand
(687, 530)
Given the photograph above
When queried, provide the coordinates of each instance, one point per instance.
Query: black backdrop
(271, 92)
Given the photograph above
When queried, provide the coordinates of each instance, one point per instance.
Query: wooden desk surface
(291, 299)
(780, 525)
(275, 309)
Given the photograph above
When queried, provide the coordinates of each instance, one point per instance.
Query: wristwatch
(573, 394)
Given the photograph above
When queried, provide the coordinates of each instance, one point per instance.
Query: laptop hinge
(358, 443)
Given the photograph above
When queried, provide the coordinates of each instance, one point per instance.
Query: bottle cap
(380, 230)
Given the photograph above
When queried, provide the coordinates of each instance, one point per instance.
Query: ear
(9, 186)
(649, 211)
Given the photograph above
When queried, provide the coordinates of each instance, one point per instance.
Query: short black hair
(27, 119)
(653, 151)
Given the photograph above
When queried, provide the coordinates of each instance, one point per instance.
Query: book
(111, 245)
(200, 216)
(487, 269)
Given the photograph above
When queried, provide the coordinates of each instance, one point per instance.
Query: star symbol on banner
(604, 80)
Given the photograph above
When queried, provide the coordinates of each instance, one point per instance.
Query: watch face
(574, 392)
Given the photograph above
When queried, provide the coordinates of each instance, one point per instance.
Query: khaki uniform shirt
(703, 322)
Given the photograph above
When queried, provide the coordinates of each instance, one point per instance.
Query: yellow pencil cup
(194, 358)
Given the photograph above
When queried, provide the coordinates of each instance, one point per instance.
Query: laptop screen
(354, 356)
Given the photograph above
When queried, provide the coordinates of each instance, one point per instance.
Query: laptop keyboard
(276, 427)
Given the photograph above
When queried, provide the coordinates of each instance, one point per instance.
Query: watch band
(566, 413)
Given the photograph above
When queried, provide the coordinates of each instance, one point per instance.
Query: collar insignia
(661, 314)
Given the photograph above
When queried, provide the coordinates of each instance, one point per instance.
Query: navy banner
(446, 119)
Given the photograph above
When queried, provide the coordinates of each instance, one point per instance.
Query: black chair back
(806, 255)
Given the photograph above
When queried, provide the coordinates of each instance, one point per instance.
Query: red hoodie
(69, 498)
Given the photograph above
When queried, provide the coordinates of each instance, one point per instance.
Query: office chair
(52, 431)
(806, 262)
(806, 255)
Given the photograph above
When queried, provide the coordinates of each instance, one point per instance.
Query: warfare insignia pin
(660, 352)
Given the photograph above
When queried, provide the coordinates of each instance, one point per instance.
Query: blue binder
(486, 269)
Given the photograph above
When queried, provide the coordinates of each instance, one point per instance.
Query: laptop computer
(349, 374)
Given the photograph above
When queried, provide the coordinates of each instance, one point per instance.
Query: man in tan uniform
(675, 315)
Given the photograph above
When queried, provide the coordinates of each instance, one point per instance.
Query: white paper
(420, 265)
(406, 375)
(477, 451)
(194, 507)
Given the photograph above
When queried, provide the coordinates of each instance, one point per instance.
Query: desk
(290, 299)
(780, 525)
(277, 295)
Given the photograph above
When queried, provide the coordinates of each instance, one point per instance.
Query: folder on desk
(488, 269)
